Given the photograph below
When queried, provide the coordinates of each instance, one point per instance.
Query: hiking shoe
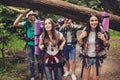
(66, 73)
(73, 77)
(32, 78)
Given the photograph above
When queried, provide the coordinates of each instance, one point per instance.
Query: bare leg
(67, 65)
(95, 77)
(86, 73)
(67, 68)
(73, 66)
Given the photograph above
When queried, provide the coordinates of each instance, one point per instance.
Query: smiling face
(68, 23)
(93, 22)
(31, 18)
(48, 25)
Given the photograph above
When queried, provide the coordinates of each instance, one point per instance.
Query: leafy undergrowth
(14, 72)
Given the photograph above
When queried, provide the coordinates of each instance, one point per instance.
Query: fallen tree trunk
(62, 8)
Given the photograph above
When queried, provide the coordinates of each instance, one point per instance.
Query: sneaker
(66, 73)
(32, 78)
(73, 77)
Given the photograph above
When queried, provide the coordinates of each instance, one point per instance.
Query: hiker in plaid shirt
(69, 32)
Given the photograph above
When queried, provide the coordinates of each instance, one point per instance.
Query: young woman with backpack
(93, 42)
(49, 42)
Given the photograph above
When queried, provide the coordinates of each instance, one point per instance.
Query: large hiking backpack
(38, 30)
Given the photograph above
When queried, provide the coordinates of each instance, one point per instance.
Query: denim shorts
(92, 61)
(69, 52)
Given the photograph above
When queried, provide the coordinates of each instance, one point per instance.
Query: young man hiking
(28, 25)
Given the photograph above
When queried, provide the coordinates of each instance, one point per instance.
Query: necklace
(52, 47)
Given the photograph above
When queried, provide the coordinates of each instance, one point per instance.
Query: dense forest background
(12, 39)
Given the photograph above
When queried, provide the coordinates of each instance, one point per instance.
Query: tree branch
(18, 10)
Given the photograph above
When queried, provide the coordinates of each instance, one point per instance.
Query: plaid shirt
(98, 45)
(73, 31)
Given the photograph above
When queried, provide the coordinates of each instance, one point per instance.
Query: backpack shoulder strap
(59, 40)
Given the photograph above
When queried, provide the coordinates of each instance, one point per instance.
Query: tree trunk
(62, 8)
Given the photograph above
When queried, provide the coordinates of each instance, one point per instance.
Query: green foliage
(12, 71)
(8, 34)
(11, 40)
(49, 15)
(6, 16)
(94, 4)
(2, 25)
(15, 43)
(114, 33)
(115, 44)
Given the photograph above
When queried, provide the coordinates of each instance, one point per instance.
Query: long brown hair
(97, 29)
(55, 35)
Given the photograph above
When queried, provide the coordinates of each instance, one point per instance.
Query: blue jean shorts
(69, 52)
(92, 61)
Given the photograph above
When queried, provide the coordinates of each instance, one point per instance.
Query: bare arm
(80, 40)
(105, 42)
(62, 44)
(17, 21)
(41, 45)
(102, 37)
(82, 35)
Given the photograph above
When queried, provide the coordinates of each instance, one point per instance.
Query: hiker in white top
(93, 42)
(52, 42)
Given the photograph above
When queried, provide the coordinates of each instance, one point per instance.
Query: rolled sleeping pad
(105, 21)
(38, 31)
(105, 24)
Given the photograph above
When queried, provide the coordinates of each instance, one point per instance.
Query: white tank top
(91, 44)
